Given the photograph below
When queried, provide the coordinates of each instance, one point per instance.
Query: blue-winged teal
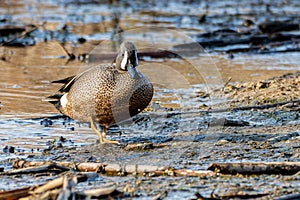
(105, 94)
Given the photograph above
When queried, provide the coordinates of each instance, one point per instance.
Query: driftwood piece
(51, 188)
(134, 169)
(63, 188)
(15, 194)
(37, 169)
(285, 168)
(103, 191)
(120, 169)
(188, 172)
(58, 182)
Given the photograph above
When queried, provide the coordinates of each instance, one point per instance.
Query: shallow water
(180, 84)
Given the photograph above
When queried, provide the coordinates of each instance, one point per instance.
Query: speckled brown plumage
(106, 94)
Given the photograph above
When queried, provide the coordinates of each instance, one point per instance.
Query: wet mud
(239, 103)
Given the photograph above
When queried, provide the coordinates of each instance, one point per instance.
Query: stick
(285, 168)
(56, 183)
(192, 173)
(103, 191)
(123, 169)
(15, 194)
(71, 56)
(19, 163)
(37, 169)
(227, 82)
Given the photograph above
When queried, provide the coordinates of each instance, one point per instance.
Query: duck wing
(67, 83)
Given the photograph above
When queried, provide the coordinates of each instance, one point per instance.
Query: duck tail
(55, 100)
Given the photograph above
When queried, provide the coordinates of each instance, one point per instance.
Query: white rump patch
(64, 100)
(124, 61)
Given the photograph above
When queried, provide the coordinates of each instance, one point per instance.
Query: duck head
(127, 59)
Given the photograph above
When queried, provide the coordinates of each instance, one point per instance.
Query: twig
(227, 82)
(70, 55)
(286, 168)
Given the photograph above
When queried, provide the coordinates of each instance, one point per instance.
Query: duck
(105, 94)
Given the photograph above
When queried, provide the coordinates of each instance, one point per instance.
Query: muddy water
(180, 84)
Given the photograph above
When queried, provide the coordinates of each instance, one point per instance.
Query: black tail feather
(55, 100)
(65, 80)
(67, 83)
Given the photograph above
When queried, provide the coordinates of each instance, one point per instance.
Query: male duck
(105, 94)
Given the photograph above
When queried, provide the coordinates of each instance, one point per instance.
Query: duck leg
(93, 126)
(104, 129)
(101, 136)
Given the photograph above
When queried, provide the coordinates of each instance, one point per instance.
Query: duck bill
(132, 72)
(134, 59)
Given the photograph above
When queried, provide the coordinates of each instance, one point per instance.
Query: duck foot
(102, 136)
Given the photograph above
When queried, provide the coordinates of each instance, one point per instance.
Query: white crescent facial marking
(136, 57)
(124, 61)
(64, 100)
